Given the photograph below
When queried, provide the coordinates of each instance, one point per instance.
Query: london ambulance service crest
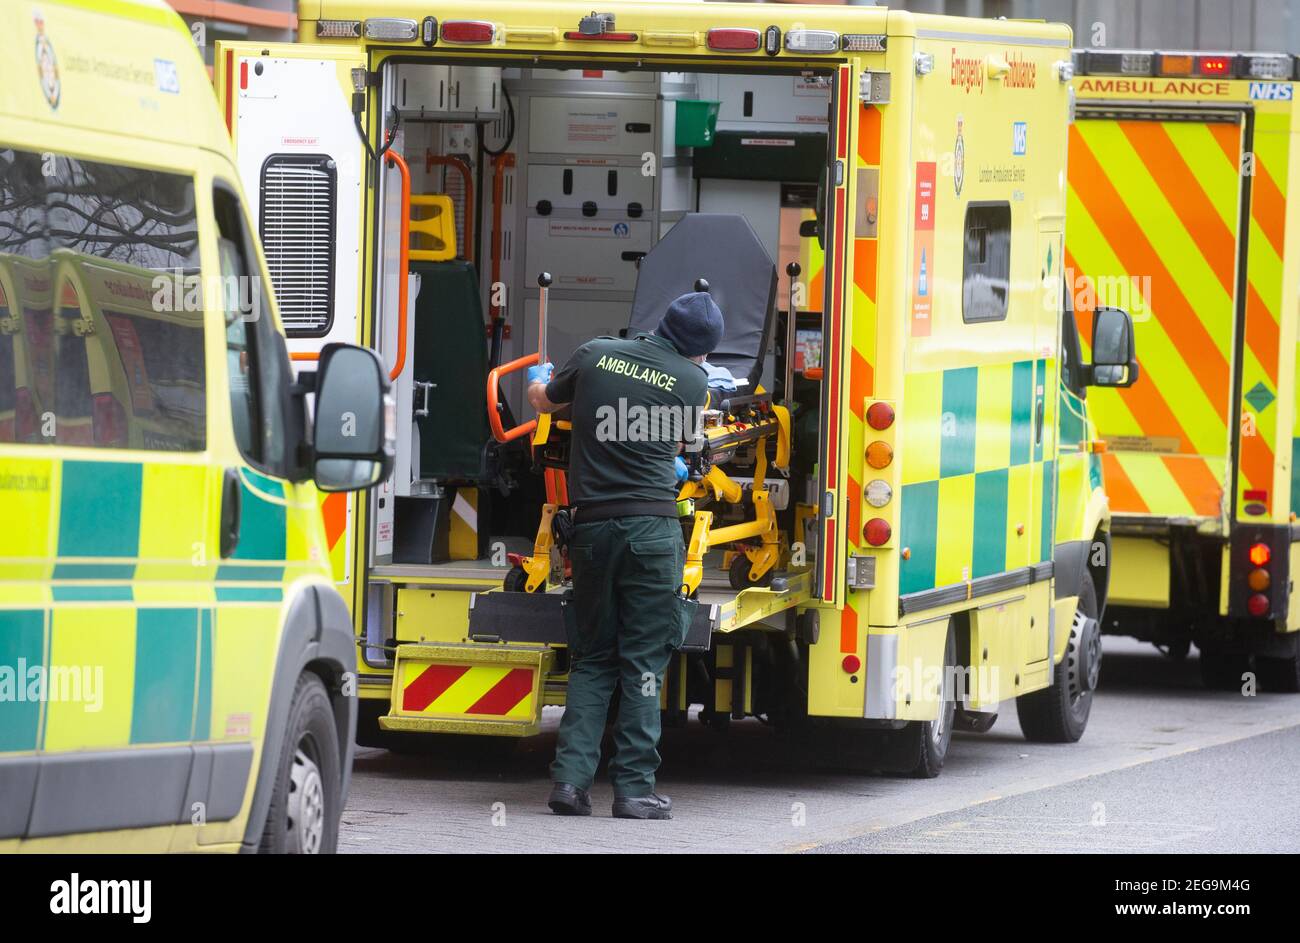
(47, 64)
(958, 160)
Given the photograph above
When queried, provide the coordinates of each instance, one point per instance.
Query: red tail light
(851, 664)
(573, 34)
(24, 416)
(880, 415)
(1257, 605)
(468, 31)
(109, 420)
(1260, 554)
(734, 40)
(877, 531)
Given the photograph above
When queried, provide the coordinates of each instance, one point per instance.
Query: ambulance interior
(625, 188)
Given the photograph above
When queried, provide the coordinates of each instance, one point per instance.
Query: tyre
(305, 799)
(1221, 671)
(1059, 713)
(738, 574)
(1281, 675)
(516, 580)
(920, 748)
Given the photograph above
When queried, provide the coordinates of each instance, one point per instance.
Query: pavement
(1164, 766)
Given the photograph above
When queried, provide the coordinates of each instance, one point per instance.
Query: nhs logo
(1019, 134)
(1271, 91)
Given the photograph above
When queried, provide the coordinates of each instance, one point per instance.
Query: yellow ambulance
(892, 515)
(177, 671)
(1180, 166)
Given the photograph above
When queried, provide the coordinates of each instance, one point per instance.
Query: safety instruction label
(1142, 443)
(588, 127)
(614, 230)
(923, 249)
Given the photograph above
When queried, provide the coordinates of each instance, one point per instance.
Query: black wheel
(1221, 671)
(305, 806)
(516, 580)
(738, 574)
(716, 720)
(401, 742)
(1281, 675)
(1059, 714)
(920, 748)
(369, 733)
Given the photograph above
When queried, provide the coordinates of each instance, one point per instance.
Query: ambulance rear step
(468, 687)
(542, 617)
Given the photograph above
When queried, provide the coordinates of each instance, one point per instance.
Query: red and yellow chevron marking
(486, 691)
(1154, 203)
(334, 514)
(1259, 438)
(860, 361)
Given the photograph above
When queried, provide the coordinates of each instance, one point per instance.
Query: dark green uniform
(633, 403)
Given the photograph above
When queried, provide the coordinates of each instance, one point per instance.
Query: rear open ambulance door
(302, 163)
(833, 490)
(1155, 205)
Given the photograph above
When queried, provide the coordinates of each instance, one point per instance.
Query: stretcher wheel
(738, 574)
(516, 580)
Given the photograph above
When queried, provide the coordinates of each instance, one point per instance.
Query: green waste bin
(697, 121)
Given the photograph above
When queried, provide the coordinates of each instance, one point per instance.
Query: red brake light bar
(468, 31)
(574, 34)
(735, 40)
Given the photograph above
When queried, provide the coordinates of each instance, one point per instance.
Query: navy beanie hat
(692, 324)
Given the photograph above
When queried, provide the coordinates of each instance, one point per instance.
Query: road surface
(1164, 766)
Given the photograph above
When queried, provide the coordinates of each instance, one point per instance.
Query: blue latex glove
(540, 373)
(679, 464)
(720, 378)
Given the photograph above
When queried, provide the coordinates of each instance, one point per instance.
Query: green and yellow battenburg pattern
(114, 565)
(972, 451)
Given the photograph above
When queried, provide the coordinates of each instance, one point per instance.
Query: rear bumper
(1173, 580)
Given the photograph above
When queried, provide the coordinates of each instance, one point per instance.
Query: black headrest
(723, 250)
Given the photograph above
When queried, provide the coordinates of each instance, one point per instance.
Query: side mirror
(354, 432)
(1114, 356)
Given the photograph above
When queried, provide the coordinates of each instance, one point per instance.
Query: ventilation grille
(298, 224)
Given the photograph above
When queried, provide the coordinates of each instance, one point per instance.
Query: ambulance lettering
(1023, 73)
(1154, 87)
(967, 73)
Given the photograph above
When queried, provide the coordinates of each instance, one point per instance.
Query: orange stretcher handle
(403, 279)
(500, 433)
(404, 265)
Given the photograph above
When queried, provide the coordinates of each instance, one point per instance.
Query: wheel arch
(316, 637)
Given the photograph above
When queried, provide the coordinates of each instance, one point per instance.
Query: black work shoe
(567, 799)
(653, 806)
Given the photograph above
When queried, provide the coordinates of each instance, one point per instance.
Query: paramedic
(634, 403)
